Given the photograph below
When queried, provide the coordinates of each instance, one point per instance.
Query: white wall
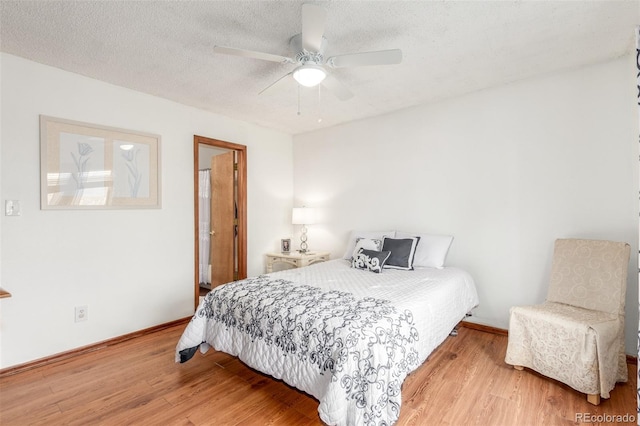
(506, 171)
(132, 268)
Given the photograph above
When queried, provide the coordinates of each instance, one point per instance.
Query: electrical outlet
(82, 313)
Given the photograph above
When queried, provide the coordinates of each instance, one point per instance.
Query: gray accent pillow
(403, 250)
(370, 260)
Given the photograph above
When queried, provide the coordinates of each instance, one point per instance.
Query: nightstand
(296, 259)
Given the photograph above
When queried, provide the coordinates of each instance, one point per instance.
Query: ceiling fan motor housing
(302, 56)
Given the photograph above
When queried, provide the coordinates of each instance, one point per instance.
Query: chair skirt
(581, 348)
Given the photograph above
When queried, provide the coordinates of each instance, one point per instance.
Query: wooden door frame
(241, 152)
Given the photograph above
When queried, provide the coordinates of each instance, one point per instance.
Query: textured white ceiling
(164, 48)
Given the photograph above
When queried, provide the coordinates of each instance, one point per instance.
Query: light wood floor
(464, 382)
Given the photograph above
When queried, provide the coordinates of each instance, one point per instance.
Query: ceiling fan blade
(380, 57)
(314, 19)
(336, 87)
(273, 87)
(251, 54)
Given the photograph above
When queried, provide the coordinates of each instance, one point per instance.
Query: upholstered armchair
(577, 335)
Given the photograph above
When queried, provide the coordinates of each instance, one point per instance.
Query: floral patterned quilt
(351, 353)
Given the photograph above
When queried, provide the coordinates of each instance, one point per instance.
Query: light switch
(12, 207)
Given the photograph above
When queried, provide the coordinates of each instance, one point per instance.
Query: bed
(344, 335)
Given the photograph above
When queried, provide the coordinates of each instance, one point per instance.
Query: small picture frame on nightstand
(285, 245)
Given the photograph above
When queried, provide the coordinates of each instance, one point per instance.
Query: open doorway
(220, 246)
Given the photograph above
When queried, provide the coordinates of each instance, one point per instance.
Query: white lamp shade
(309, 75)
(303, 216)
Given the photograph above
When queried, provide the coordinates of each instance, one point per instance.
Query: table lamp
(303, 216)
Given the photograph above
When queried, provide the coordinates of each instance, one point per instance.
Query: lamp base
(303, 241)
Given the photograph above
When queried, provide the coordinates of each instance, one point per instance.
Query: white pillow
(351, 244)
(374, 244)
(432, 249)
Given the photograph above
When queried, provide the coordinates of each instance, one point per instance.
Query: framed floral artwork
(87, 166)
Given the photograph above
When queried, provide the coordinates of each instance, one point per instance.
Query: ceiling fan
(309, 48)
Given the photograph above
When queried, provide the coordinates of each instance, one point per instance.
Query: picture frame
(285, 245)
(87, 166)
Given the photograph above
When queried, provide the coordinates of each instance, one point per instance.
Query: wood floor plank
(30, 413)
(465, 381)
(110, 406)
(288, 417)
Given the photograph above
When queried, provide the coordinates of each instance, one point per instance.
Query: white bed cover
(437, 298)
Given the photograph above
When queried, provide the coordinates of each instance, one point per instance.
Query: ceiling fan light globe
(309, 75)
